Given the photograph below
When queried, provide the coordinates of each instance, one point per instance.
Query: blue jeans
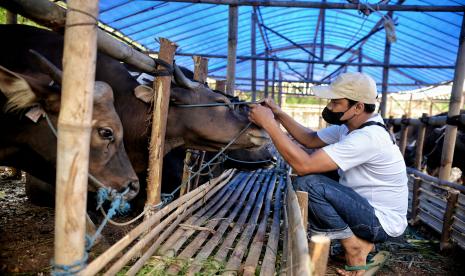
(338, 211)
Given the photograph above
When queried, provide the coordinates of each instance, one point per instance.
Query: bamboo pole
(253, 50)
(200, 68)
(403, 136)
(169, 231)
(11, 18)
(319, 253)
(302, 198)
(265, 77)
(329, 5)
(222, 252)
(269, 260)
(454, 108)
(452, 197)
(186, 174)
(301, 264)
(253, 255)
(420, 143)
(220, 85)
(384, 88)
(273, 79)
(146, 239)
(161, 86)
(208, 248)
(280, 89)
(234, 262)
(199, 240)
(205, 191)
(74, 129)
(232, 49)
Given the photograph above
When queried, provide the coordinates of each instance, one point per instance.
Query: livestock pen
(217, 211)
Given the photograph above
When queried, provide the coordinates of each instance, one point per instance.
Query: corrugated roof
(423, 38)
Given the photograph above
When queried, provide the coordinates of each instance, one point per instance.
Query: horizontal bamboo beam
(53, 16)
(326, 5)
(435, 179)
(433, 121)
(271, 58)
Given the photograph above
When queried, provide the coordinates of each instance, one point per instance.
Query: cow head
(204, 128)
(108, 161)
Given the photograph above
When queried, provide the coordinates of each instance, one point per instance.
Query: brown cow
(27, 137)
(201, 128)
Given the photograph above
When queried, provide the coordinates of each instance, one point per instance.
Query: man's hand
(269, 102)
(260, 115)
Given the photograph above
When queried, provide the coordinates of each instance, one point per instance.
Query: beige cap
(354, 86)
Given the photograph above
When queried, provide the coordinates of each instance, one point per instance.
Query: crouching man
(369, 203)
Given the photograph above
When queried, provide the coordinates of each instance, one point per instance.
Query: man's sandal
(372, 266)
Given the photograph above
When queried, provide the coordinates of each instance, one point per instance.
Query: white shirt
(372, 166)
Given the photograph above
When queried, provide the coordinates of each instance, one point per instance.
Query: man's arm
(300, 161)
(303, 135)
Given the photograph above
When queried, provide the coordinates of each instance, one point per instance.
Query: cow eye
(106, 133)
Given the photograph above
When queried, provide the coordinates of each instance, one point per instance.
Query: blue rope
(118, 206)
(72, 269)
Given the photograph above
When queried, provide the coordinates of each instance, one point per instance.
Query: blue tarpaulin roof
(423, 38)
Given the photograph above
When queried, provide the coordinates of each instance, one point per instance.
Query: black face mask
(333, 118)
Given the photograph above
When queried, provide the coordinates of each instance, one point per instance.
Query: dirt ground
(26, 242)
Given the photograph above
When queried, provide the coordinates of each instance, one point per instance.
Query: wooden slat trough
(232, 225)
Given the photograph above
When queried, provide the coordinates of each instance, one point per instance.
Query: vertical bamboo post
(452, 198)
(280, 90)
(417, 180)
(454, 108)
(273, 80)
(384, 86)
(253, 50)
(319, 253)
(220, 85)
(200, 68)
(403, 135)
(74, 129)
(360, 59)
(420, 143)
(302, 198)
(161, 86)
(186, 174)
(391, 125)
(232, 48)
(265, 89)
(11, 18)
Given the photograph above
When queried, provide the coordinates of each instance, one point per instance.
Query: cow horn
(47, 66)
(183, 81)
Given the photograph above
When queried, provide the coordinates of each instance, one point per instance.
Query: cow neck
(172, 143)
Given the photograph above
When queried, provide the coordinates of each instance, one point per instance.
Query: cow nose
(133, 189)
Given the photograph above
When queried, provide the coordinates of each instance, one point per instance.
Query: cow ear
(23, 91)
(144, 93)
(16, 89)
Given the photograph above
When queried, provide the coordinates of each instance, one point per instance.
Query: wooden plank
(200, 69)
(298, 236)
(235, 260)
(226, 246)
(428, 197)
(212, 243)
(74, 130)
(219, 197)
(319, 253)
(161, 88)
(432, 209)
(302, 198)
(430, 220)
(146, 239)
(419, 144)
(204, 191)
(196, 244)
(269, 260)
(452, 198)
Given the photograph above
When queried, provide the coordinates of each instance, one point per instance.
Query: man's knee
(311, 184)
